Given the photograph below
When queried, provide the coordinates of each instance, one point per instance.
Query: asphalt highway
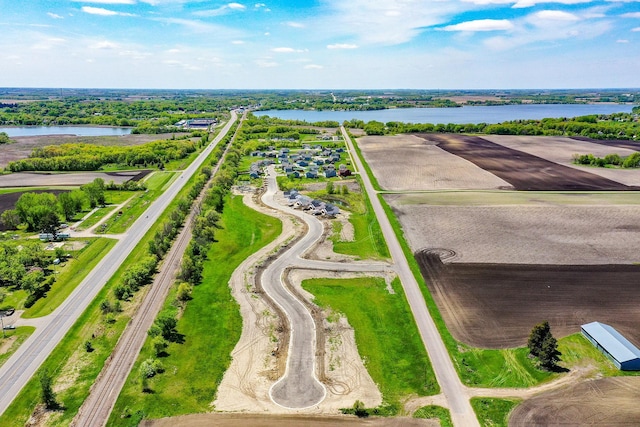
(17, 371)
(454, 391)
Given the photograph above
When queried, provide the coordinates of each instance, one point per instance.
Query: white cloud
(481, 25)
(103, 12)
(266, 63)
(552, 15)
(107, 1)
(287, 50)
(294, 24)
(631, 15)
(222, 10)
(385, 22)
(237, 42)
(342, 46)
(54, 15)
(313, 67)
(531, 3)
(636, 29)
(622, 41)
(193, 25)
(105, 44)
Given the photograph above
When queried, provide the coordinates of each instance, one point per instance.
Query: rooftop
(616, 345)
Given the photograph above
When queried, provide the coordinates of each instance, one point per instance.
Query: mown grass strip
(71, 274)
(492, 412)
(435, 412)
(211, 324)
(386, 335)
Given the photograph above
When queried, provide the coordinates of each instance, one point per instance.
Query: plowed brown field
(604, 402)
(495, 305)
(522, 170)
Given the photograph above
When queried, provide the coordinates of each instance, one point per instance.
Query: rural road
(17, 371)
(96, 409)
(454, 391)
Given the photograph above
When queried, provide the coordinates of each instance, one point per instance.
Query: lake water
(479, 114)
(14, 131)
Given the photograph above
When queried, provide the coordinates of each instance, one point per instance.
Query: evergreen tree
(538, 333)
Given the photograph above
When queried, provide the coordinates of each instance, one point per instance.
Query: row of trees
(615, 126)
(631, 161)
(90, 157)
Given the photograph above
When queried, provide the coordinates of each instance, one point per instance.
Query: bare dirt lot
(24, 145)
(561, 150)
(494, 305)
(601, 402)
(407, 162)
(524, 228)
(240, 420)
(50, 179)
(522, 170)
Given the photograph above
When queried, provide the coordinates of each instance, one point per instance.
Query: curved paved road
(16, 371)
(299, 387)
(454, 391)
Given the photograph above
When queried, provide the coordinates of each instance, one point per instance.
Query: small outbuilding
(620, 350)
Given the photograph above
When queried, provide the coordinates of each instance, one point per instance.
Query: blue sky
(325, 44)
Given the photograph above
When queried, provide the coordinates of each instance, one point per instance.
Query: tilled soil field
(49, 179)
(562, 149)
(522, 170)
(495, 305)
(406, 162)
(602, 402)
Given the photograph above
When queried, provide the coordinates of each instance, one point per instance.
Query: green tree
(549, 354)
(46, 391)
(167, 325)
(160, 346)
(10, 219)
(95, 192)
(330, 187)
(537, 336)
(33, 207)
(4, 138)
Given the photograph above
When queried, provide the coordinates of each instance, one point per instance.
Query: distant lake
(461, 115)
(14, 131)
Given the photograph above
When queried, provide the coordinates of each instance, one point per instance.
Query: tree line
(89, 157)
(622, 126)
(631, 161)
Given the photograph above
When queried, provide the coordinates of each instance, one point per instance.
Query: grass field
(385, 333)
(15, 337)
(438, 412)
(211, 325)
(156, 185)
(493, 412)
(69, 276)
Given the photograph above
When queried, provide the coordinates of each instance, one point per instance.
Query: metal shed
(623, 353)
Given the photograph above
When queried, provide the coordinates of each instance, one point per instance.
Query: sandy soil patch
(536, 233)
(407, 162)
(561, 150)
(603, 402)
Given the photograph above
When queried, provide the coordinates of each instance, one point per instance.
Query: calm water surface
(14, 131)
(480, 114)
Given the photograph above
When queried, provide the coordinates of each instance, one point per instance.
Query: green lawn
(211, 325)
(70, 274)
(385, 333)
(492, 412)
